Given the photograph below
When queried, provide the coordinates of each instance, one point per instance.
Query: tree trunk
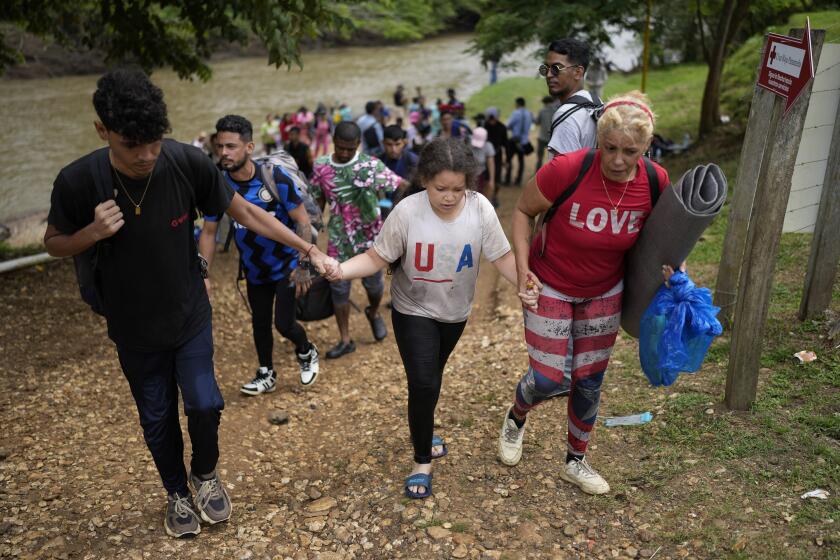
(732, 14)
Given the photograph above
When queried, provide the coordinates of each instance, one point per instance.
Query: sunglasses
(555, 69)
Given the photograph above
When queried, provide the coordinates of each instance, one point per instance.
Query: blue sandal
(419, 479)
(438, 441)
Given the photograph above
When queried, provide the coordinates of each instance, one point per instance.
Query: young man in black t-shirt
(299, 151)
(148, 278)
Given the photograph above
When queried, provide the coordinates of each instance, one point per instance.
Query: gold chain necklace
(125, 190)
(607, 192)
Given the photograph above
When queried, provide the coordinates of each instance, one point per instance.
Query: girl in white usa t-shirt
(434, 238)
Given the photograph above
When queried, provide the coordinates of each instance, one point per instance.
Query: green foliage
(740, 72)
(405, 20)
(506, 25)
(7, 252)
(174, 33)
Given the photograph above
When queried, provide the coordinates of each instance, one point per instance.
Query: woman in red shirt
(579, 270)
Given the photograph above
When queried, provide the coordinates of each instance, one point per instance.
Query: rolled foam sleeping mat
(680, 217)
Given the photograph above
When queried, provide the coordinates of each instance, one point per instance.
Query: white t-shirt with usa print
(439, 259)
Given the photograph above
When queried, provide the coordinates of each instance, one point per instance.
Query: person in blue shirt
(399, 159)
(372, 131)
(271, 270)
(519, 126)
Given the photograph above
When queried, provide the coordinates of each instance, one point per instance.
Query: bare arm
(303, 228)
(506, 265)
(531, 202)
(207, 241)
(262, 223)
(107, 220)
(360, 266)
(207, 246)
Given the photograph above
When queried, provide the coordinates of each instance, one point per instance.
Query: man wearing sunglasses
(572, 127)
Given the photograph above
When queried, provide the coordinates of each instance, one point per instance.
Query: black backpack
(653, 183)
(371, 138)
(578, 102)
(86, 262)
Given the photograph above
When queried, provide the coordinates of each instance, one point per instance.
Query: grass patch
(675, 92)
(7, 252)
(739, 74)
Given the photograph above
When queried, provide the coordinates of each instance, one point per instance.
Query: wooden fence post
(825, 246)
(762, 242)
(749, 168)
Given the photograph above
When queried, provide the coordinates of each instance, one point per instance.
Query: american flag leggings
(593, 323)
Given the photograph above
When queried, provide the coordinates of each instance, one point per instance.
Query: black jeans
(154, 378)
(282, 295)
(515, 150)
(425, 345)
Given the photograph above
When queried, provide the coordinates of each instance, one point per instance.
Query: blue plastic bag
(676, 330)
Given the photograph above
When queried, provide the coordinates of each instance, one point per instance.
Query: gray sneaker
(180, 519)
(211, 498)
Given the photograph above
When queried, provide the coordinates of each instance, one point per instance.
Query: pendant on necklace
(136, 210)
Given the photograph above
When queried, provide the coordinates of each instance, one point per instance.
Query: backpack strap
(653, 181)
(267, 176)
(578, 102)
(570, 190)
(543, 224)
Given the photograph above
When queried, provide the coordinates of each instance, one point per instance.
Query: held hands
(107, 220)
(529, 290)
(333, 272)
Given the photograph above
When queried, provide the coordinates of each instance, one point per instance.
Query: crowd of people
(410, 189)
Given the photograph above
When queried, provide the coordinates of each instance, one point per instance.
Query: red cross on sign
(787, 66)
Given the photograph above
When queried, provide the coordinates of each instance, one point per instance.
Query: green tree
(407, 20)
(171, 33)
(690, 29)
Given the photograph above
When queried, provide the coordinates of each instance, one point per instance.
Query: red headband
(634, 104)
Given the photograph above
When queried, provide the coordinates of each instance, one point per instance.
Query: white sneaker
(510, 441)
(580, 473)
(264, 382)
(309, 366)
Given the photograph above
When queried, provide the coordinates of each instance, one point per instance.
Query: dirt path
(76, 480)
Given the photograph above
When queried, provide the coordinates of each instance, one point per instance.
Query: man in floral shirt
(352, 182)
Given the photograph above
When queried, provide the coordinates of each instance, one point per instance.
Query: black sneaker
(181, 520)
(377, 325)
(341, 349)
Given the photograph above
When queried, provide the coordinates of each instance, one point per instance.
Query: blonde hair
(629, 113)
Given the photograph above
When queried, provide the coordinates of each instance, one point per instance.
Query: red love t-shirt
(586, 239)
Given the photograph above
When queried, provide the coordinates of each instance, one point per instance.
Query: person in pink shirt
(321, 146)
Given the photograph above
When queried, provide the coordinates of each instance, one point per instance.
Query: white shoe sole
(254, 393)
(311, 381)
(515, 460)
(586, 489)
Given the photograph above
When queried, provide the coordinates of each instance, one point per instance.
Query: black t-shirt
(148, 273)
(497, 134)
(300, 153)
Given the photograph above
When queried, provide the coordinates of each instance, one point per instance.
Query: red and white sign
(787, 65)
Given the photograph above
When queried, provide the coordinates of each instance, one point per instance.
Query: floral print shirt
(352, 193)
